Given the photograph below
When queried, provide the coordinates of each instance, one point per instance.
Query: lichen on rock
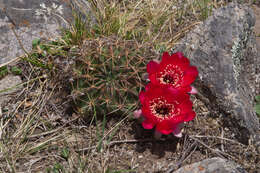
(225, 52)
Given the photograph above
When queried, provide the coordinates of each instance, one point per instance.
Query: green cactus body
(108, 76)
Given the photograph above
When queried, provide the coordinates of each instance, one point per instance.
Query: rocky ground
(257, 23)
(39, 127)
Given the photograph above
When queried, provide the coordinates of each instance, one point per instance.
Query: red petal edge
(165, 57)
(190, 116)
(142, 97)
(165, 127)
(147, 124)
(152, 67)
(190, 75)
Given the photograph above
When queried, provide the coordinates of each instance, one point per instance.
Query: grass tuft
(94, 71)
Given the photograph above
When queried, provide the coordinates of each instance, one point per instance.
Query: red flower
(173, 71)
(165, 108)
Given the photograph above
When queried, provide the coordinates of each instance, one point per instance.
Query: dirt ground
(125, 145)
(122, 145)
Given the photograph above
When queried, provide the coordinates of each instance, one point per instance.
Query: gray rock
(83, 7)
(213, 165)
(257, 23)
(224, 50)
(8, 86)
(31, 19)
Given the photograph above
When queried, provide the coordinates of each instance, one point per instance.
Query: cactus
(108, 75)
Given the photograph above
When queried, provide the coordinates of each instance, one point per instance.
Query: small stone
(212, 165)
(258, 149)
(140, 157)
(8, 83)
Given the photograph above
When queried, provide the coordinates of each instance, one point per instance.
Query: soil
(134, 148)
(127, 146)
(131, 147)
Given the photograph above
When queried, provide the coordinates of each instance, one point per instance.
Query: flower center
(161, 108)
(168, 79)
(171, 74)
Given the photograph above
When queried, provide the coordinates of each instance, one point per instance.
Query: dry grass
(42, 127)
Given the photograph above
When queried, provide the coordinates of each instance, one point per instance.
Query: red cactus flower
(165, 108)
(173, 71)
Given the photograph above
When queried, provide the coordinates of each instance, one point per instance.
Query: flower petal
(185, 89)
(137, 113)
(147, 124)
(183, 63)
(193, 90)
(185, 107)
(142, 97)
(153, 79)
(165, 58)
(190, 75)
(152, 67)
(178, 54)
(165, 127)
(148, 87)
(174, 95)
(190, 116)
(172, 91)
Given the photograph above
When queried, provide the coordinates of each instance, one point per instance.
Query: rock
(8, 85)
(213, 165)
(224, 50)
(83, 7)
(257, 23)
(31, 19)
